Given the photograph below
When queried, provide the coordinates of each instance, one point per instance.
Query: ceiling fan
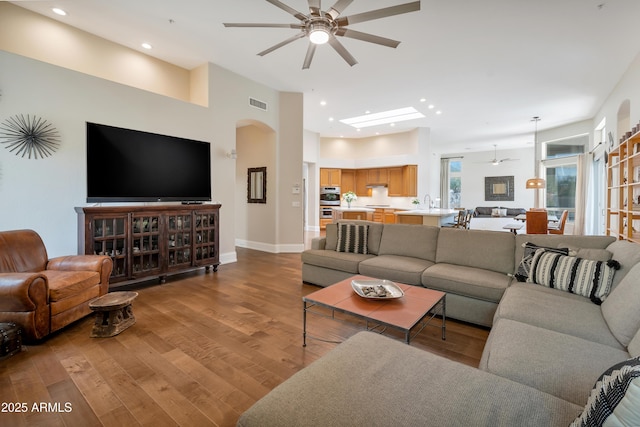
(495, 161)
(323, 27)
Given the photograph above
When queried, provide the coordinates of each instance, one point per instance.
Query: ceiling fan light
(318, 36)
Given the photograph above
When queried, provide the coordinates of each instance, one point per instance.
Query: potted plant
(416, 203)
(349, 197)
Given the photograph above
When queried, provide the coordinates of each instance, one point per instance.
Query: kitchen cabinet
(378, 176)
(410, 180)
(362, 175)
(330, 177)
(396, 187)
(348, 181)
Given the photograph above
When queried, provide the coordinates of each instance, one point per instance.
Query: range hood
(373, 185)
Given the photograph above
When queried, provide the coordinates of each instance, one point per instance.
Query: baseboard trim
(268, 247)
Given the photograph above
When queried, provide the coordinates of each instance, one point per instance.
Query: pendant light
(537, 182)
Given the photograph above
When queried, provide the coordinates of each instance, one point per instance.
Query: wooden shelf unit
(147, 242)
(623, 190)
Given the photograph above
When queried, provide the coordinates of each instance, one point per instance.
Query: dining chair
(557, 227)
(537, 222)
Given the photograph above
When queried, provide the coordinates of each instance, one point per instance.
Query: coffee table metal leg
(304, 323)
(444, 317)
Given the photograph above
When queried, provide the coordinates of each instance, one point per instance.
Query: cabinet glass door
(109, 238)
(146, 252)
(179, 234)
(206, 246)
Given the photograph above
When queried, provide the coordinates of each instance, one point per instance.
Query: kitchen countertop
(352, 209)
(429, 212)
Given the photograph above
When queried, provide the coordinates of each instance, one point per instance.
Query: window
(455, 183)
(560, 165)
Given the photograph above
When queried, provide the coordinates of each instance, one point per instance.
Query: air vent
(258, 104)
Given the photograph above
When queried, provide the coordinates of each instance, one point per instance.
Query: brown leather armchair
(43, 295)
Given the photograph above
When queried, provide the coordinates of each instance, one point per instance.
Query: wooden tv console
(152, 241)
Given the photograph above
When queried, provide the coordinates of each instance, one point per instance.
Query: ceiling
(488, 66)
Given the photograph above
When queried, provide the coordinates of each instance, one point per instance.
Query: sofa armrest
(99, 263)
(318, 242)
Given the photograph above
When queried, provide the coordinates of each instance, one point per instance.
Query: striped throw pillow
(352, 238)
(589, 278)
(614, 398)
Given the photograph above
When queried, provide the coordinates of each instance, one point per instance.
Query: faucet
(427, 197)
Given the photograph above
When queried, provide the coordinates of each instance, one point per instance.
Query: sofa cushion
(615, 398)
(559, 364)
(416, 241)
(468, 281)
(342, 261)
(524, 267)
(397, 268)
(590, 253)
(591, 279)
(352, 238)
(374, 381)
(627, 254)
(515, 211)
(331, 236)
(487, 250)
(65, 284)
(483, 210)
(556, 310)
(620, 309)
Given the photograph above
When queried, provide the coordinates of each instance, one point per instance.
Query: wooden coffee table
(409, 314)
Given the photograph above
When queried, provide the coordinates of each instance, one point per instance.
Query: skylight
(384, 117)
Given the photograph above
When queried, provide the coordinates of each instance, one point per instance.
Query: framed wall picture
(499, 188)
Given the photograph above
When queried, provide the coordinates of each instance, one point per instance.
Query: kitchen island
(354, 212)
(435, 217)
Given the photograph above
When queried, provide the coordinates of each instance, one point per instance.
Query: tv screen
(126, 165)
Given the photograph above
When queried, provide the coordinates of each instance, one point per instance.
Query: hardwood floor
(204, 348)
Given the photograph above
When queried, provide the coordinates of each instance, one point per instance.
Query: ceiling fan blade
(379, 13)
(337, 8)
(307, 59)
(333, 41)
(314, 7)
(345, 32)
(288, 9)
(255, 25)
(283, 43)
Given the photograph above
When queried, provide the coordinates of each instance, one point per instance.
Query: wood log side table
(113, 313)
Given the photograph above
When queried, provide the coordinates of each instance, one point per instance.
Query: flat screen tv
(126, 165)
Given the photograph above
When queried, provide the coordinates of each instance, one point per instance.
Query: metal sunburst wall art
(29, 136)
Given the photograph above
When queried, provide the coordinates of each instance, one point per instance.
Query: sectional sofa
(555, 354)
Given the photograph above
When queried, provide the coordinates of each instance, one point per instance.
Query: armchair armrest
(23, 291)
(24, 299)
(99, 263)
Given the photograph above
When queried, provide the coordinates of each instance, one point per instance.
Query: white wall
(476, 166)
(41, 194)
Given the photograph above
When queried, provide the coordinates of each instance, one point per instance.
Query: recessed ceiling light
(330, 119)
(438, 112)
(323, 103)
(431, 107)
(59, 11)
(423, 100)
(146, 45)
(399, 115)
(367, 112)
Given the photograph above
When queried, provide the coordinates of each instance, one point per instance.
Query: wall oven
(326, 212)
(329, 196)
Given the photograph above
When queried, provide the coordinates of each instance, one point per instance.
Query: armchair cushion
(63, 284)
